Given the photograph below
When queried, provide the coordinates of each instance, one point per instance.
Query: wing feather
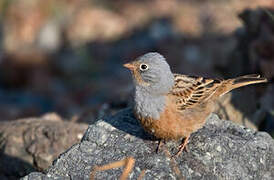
(190, 91)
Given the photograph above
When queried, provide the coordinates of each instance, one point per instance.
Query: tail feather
(246, 80)
(250, 75)
(234, 83)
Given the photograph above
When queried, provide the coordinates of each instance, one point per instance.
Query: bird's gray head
(152, 73)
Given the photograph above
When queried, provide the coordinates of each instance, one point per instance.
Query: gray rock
(32, 144)
(220, 150)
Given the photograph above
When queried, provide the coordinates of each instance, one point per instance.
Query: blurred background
(61, 64)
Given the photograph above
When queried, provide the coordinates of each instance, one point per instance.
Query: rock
(255, 53)
(256, 40)
(33, 143)
(97, 24)
(220, 150)
(230, 107)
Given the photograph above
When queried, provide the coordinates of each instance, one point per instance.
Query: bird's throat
(148, 105)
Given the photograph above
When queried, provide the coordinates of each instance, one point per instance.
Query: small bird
(173, 106)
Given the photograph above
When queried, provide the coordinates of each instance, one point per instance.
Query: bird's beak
(129, 66)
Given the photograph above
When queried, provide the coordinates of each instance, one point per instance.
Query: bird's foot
(160, 144)
(182, 147)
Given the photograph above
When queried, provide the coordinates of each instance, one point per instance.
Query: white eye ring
(143, 67)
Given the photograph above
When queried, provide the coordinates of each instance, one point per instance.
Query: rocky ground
(220, 150)
(33, 143)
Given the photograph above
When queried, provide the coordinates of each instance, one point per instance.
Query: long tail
(234, 83)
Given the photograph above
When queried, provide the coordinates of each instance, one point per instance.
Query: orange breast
(174, 124)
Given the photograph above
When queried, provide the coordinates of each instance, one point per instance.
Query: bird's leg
(160, 144)
(182, 146)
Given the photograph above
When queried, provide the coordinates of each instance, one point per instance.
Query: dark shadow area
(12, 168)
(128, 124)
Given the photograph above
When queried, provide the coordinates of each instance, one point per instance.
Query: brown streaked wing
(190, 91)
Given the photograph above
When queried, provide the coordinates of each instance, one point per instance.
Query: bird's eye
(143, 67)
